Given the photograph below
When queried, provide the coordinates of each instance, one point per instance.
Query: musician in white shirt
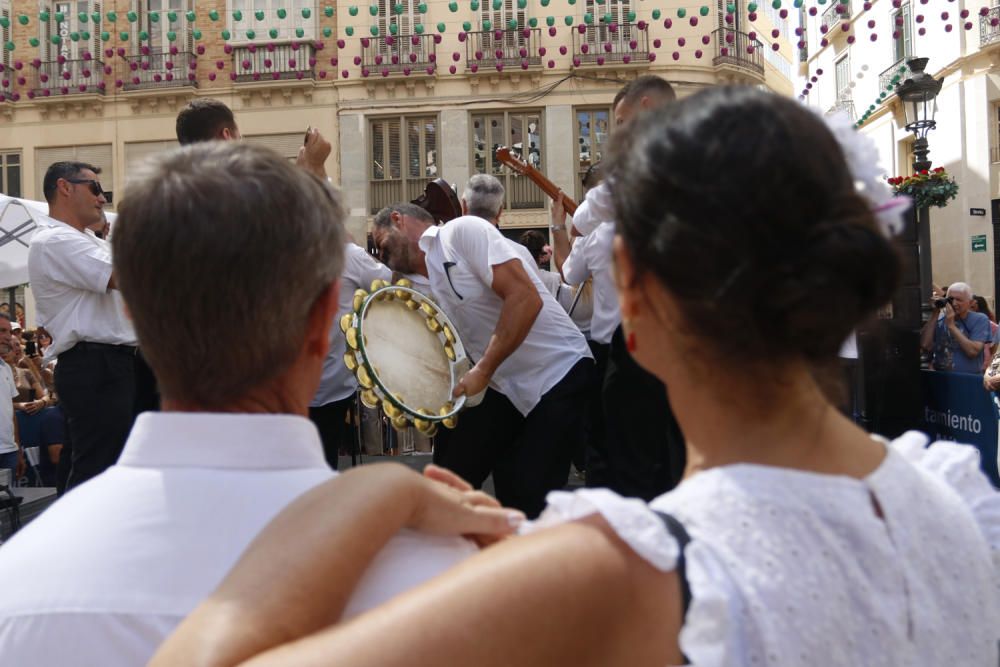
(337, 386)
(532, 357)
(217, 241)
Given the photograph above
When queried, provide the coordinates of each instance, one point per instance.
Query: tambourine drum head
(407, 357)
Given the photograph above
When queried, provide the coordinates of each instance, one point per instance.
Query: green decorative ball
(9, 46)
(4, 21)
(172, 17)
(105, 36)
(398, 8)
(123, 36)
(154, 17)
(752, 8)
(259, 15)
(419, 28)
(143, 36)
(521, 4)
(422, 8)
(681, 12)
(440, 27)
(631, 17)
(226, 35)
(273, 33)
(23, 19)
(75, 36)
(532, 22)
(328, 11)
(588, 18)
(703, 11)
(55, 39)
(327, 32)
(545, 3)
(196, 34)
(550, 21)
(43, 17)
(373, 10)
(393, 28)
(237, 15)
(797, 3)
(452, 6)
(190, 16)
(171, 36)
(214, 15)
(512, 24)
(60, 17)
(487, 24)
(300, 32)
(656, 14)
(251, 34)
(776, 4)
(352, 10)
(84, 35)
(306, 12)
(474, 5)
(34, 42)
(497, 5)
(374, 30)
(568, 20)
(466, 26)
(282, 12)
(349, 31)
(83, 17)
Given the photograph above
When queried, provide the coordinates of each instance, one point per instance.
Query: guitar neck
(549, 188)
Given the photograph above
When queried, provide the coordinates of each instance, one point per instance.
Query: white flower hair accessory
(869, 176)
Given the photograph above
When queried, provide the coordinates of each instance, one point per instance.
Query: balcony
(503, 48)
(989, 27)
(614, 43)
(159, 70)
(897, 69)
(736, 49)
(836, 12)
(401, 53)
(846, 105)
(69, 77)
(253, 62)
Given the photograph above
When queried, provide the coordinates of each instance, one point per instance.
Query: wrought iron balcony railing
(615, 43)
(274, 62)
(69, 77)
(846, 105)
(839, 10)
(892, 75)
(737, 49)
(161, 69)
(398, 53)
(503, 48)
(989, 27)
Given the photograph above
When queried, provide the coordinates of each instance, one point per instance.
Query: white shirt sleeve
(364, 267)
(575, 269)
(77, 262)
(595, 209)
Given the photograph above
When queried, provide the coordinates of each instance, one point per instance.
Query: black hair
(202, 120)
(984, 307)
(534, 241)
(647, 85)
(65, 170)
(741, 204)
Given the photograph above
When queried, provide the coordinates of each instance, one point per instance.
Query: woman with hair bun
(795, 538)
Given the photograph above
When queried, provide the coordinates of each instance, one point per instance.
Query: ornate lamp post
(918, 93)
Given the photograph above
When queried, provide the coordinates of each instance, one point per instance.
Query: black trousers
(96, 386)
(595, 440)
(645, 446)
(333, 431)
(527, 455)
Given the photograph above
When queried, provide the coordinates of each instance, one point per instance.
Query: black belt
(87, 346)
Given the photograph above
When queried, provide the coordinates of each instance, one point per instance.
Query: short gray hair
(383, 218)
(218, 247)
(962, 288)
(484, 196)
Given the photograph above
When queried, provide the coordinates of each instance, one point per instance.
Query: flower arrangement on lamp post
(933, 187)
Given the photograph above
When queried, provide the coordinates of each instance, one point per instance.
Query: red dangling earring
(630, 342)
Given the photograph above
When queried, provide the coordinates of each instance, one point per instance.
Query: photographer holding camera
(956, 337)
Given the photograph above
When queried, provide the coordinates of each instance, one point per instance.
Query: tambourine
(406, 355)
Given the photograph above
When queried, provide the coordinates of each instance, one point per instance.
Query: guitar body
(440, 200)
(504, 156)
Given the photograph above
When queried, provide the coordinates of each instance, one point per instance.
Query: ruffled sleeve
(631, 519)
(959, 467)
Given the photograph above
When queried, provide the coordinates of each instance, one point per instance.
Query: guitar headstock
(504, 156)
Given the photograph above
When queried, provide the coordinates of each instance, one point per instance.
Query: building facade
(406, 91)
(856, 54)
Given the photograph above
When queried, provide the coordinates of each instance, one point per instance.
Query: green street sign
(979, 243)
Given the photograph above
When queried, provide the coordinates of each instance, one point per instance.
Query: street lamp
(917, 94)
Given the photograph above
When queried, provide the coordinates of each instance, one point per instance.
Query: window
(404, 158)
(520, 131)
(389, 16)
(71, 20)
(499, 14)
(592, 127)
(262, 18)
(843, 77)
(733, 8)
(902, 44)
(6, 13)
(154, 20)
(10, 174)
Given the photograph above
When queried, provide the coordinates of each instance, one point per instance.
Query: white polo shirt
(8, 390)
(69, 272)
(360, 269)
(595, 208)
(106, 573)
(460, 258)
(592, 256)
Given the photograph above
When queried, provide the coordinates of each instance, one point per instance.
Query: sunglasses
(95, 186)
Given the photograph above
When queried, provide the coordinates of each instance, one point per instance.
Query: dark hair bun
(741, 203)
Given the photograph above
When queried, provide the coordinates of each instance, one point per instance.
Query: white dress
(794, 568)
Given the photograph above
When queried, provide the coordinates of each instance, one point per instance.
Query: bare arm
(970, 348)
(521, 305)
(574, 594)
(242, 618)
(560, 239)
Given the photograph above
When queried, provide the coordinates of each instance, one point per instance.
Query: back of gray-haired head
(484, 196)
(221, 249)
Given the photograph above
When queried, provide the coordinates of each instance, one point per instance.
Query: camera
(30, 348)
(939, 302)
